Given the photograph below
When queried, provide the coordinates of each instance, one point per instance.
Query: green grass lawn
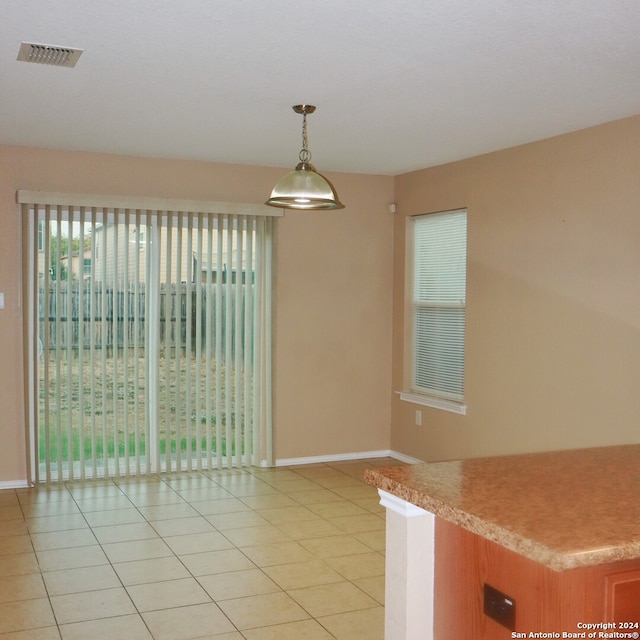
(96, 410)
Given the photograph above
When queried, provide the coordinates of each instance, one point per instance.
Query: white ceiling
(399, 84)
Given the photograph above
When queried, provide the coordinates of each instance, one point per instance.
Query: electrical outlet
(418, 418)
(499, 607)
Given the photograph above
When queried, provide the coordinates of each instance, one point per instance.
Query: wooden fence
(78, 315)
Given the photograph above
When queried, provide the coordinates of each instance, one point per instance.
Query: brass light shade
(304, 188)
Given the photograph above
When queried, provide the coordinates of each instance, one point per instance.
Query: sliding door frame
(254, 447)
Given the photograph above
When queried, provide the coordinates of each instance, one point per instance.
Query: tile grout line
(271, 479)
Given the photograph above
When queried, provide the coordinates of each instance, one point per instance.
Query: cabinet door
(622, 593)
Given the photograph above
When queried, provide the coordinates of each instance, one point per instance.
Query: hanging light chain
(305, 154)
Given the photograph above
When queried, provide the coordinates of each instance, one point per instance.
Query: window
(438, 248)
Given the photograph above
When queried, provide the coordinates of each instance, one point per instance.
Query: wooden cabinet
(546, 601)
(622, 596)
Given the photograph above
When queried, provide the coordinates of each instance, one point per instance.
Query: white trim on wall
(433, 402)
(287, 462)
(14, 484)
(343, 457)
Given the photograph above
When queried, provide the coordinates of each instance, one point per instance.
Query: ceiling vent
(48, 54)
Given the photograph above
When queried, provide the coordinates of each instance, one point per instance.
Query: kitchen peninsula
(490, 548)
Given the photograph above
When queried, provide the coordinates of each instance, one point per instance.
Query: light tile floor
(293, 553)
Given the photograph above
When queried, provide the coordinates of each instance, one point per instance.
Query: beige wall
(553, 347)
(553, 315)
(333, 293)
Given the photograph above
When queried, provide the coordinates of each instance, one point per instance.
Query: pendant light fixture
(304, 188)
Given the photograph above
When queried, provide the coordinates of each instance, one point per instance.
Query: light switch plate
(1, 299)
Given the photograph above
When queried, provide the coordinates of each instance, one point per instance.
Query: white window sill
(433, 402)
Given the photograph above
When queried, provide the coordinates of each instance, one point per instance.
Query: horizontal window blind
(439, 299)
(150, 334)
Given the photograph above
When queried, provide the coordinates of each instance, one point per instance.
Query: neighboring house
(77, 264)
(188, 261)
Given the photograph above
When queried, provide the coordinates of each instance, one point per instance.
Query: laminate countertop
(562, 509)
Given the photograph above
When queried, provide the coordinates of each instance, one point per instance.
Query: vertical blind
(150, 331)
(439, 299)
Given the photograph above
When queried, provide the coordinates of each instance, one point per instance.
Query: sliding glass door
(150, 340)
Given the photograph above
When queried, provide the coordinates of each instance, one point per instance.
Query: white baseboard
(13, 484)
(343, 457)
(403, 457)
